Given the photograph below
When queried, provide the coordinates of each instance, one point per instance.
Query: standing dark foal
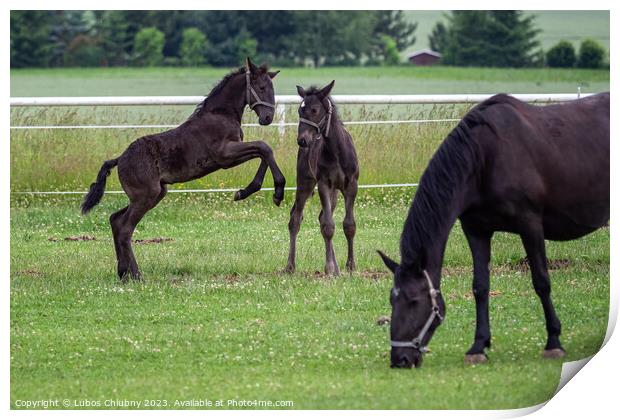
(541, 172)
(209, 140)
(326, 158)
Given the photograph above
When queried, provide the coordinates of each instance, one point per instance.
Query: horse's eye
(314, 110)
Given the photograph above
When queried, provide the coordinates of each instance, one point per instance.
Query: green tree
(391, 55)
(504, 38)
(438, 39)
(148, 47)
(194, 47)
(84, 51)
(245, 45)
(333, 37)
(394, 24)
(113, 37)
(561, 54)
(591, 54)
(29, 36)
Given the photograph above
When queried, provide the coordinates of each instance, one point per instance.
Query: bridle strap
(417, 341)
(249, 92)
(318, 125)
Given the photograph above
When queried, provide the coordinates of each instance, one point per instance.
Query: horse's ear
(273, 74)
(324, 93)
(250, 66)
(390, 263)
(301, 92)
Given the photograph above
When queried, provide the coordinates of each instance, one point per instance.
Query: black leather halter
(327, 117)
(416, 343)
(249, 92)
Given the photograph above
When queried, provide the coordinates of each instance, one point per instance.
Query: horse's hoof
(277, 200)
(476, 358)
(332, 272)
(238, 195)
(289, 269)
(553, 354)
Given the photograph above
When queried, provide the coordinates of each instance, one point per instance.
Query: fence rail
(280, 123)
(285, 99)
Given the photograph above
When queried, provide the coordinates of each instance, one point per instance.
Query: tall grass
(43, 160)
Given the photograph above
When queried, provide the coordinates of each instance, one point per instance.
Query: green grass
(349, 80)
(215, 319)
(571, 25)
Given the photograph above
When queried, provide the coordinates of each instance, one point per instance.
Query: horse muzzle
(405, 359)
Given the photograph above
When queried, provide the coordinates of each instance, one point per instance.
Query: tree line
(502, 38)
(505, 38)
(217, 38)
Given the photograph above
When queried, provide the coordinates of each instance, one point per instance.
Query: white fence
(280, 122)
(286, 99)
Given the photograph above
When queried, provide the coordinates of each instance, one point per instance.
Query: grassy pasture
(215, 318)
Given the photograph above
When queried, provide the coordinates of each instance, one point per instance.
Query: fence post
(281, 117)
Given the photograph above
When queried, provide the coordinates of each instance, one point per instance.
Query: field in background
(215, 317)
(570, 25)
(403, 79)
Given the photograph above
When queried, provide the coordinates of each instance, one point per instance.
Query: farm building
(424, 57)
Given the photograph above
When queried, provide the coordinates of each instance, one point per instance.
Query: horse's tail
(93, 197)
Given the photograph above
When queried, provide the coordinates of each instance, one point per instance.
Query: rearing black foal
(326, 158)
(209, 140)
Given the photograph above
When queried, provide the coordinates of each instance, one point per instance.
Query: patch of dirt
(80, 238)
(152, 240)
(52, 239)
(372, 274)
(30, 272)
(524, 265)
(383, 320)
(232, 278)
(470, 295)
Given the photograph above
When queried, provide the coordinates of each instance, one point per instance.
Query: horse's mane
(457, 159)
(220, 85)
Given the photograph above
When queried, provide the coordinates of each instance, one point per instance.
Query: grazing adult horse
(209, 140)
(539, 172)
(326, 158)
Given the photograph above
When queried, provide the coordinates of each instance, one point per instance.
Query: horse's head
(260, 96)
(315, 113)
(417, 310)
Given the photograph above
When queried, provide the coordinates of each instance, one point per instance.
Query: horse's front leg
(232, 154)
(533, 240)
(304, 191)
(480, 246)
(256, 183)
(327, 229)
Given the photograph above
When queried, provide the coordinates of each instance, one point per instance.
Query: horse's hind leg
(534, 243)
(348, 224)
(140, 204)
(122, 263)
(327, 229)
